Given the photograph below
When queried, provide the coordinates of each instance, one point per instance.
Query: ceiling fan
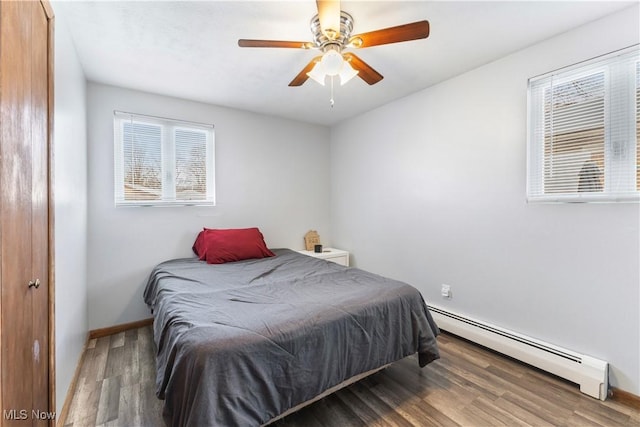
(331, 29)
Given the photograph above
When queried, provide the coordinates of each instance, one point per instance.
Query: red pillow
(220, 246)
(200, 245)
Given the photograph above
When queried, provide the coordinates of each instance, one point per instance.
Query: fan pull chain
(331, 101)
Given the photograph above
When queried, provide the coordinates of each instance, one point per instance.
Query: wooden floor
(468, 386)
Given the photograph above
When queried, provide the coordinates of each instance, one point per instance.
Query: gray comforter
(240, 343)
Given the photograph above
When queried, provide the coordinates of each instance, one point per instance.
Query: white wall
(70, 192)
(270, 173)
(431, 189)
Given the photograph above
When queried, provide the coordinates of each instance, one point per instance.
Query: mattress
(243, 342)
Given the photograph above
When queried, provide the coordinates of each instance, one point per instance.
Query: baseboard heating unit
(590, 373)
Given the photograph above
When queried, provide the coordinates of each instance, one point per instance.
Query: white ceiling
(189, 49)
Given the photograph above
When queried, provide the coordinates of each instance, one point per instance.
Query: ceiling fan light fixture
(347, 73)
(332, 64)
(318, 73)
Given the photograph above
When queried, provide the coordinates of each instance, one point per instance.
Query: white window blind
(162, 161)
(583, 131)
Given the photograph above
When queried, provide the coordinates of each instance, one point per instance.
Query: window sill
(586, 198)
(164, 204)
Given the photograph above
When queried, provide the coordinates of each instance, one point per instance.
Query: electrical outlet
(446, 291)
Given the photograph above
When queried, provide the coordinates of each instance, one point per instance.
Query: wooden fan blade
(273, 43)
(302, 76)
(365, 72)
(329, 17)
(401, 33)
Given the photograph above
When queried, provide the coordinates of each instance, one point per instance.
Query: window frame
(612, 191)
(168, 156)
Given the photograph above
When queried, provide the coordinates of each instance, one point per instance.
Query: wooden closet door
(25, 397)
(40, 206)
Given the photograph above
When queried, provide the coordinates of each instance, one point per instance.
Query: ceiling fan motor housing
(323, 41)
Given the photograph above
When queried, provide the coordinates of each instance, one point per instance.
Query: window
(162, 162)
(583, 130)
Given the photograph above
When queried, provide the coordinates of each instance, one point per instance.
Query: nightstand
(330, 254)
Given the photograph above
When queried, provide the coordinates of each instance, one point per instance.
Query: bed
(242, 343)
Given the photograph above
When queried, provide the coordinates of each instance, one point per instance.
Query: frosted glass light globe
(332, 62)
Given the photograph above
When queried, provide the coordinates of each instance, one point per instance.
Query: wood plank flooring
(468, 386)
